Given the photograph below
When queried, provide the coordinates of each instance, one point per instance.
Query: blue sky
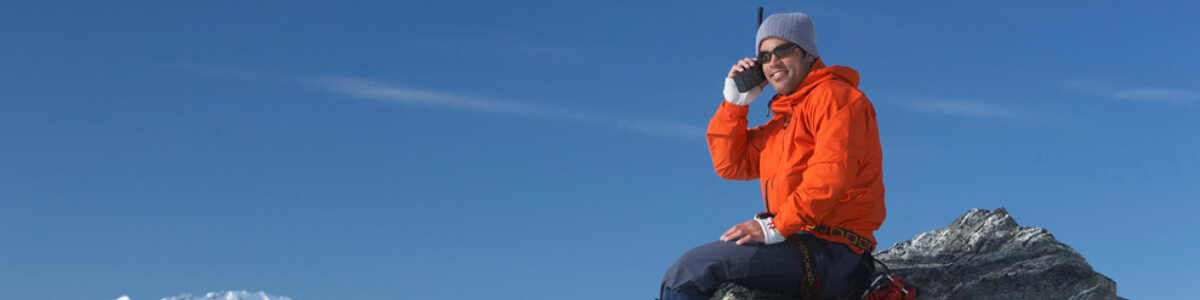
(551, 150)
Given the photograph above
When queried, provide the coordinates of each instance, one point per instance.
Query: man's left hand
(750, 231)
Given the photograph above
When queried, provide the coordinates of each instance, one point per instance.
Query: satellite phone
(752, 77)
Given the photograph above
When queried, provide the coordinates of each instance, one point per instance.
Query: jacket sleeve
(734, 149)
(833, 118)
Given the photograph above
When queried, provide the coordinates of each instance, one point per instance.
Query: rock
(732, 291)
(982, 255)
(986, 255)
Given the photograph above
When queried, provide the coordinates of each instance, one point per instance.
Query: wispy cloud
(494, 41)
(1164, 96)
(375, 90)
(1156, 95)
(380, 91)
(962, 108)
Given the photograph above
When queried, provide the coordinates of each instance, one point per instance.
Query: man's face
(784, 73)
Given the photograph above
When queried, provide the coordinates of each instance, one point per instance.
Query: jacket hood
(816, 76)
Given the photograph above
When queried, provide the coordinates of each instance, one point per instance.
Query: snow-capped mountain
(226, 295)
(230, 295)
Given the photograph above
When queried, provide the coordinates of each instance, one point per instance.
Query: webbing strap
(858, 241)
(808, 288)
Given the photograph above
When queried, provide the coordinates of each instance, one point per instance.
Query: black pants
(777, 268)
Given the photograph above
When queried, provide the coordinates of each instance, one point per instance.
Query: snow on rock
(226, 295)
(986, 255)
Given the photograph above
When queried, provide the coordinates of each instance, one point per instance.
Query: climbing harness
(808, 288)
(856, 240)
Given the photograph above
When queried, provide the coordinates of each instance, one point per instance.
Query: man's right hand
(731, 91)
(749, 231)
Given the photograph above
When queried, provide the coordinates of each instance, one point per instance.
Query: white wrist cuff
(737, 98)
(770, 234)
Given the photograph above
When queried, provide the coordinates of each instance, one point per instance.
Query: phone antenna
(759, 17)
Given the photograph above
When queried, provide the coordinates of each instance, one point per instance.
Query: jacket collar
(819, 73)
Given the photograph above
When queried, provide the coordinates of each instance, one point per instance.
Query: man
(820, 166)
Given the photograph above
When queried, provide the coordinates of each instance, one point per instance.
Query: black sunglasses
(781, 51)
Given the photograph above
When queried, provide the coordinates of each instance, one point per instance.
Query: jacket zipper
(787, 120)
(767, 196)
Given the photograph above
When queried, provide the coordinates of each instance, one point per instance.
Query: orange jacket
(818, 159)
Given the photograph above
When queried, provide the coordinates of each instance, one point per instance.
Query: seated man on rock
(819, 163)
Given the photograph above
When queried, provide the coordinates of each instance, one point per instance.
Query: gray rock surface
(986, 255)
(983, 255)
(732, 291)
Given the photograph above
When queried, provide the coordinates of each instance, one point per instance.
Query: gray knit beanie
(793, 27)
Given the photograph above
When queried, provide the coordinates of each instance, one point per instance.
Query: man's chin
(780, 88)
